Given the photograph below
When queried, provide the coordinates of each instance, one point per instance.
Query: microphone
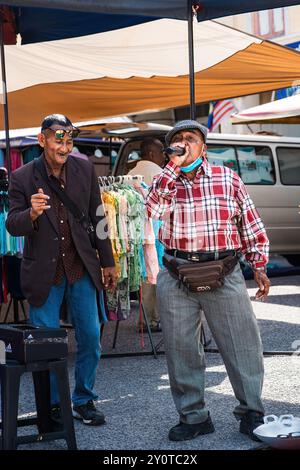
(171, 151)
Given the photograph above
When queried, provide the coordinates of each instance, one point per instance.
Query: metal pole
(5, 102)
(191, 60)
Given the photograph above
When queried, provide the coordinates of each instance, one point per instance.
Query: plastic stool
(10, 375)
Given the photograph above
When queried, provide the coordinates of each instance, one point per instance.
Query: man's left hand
(109, 278)
(263, 283)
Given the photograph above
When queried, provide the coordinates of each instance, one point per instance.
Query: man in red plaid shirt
(208, 215)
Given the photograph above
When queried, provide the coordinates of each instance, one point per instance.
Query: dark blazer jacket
(41, 249)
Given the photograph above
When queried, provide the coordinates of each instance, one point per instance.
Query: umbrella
(285, 111)
(204, 9)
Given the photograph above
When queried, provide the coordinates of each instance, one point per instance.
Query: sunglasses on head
(60, 133)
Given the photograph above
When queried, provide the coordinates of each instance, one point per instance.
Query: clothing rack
(105, 183)
(108, 181)
(16, 313)
(154, 348)
(16, 302)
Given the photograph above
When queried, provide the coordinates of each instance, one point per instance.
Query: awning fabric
(44, 20)
(130, 71)
(285, 111)
(156, 48)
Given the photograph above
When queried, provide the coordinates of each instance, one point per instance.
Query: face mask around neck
(192, 166)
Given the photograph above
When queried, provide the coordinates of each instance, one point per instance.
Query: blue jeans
(82, 304)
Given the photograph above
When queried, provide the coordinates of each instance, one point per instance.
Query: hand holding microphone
(177, 154)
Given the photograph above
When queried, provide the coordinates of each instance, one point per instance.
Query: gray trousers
(230, 317)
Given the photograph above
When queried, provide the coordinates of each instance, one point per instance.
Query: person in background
(152, 160)
(208, 215)
(151, 163)
(59, 258)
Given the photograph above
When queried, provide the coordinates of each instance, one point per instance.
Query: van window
(289, 165)
(134, 155)
(222, 155)
(256, 164)
(100, 151)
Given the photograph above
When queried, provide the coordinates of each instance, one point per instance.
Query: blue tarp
(59, 19)
(39, 25)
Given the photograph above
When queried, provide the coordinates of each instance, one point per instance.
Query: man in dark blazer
(59, 259)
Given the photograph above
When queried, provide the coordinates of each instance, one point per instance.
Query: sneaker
(89, 414)
(250, 421)
(185, 432)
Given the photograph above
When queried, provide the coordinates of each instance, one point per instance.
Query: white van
(268, 165)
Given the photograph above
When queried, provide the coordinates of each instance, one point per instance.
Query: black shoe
(250, 421)
(56, 418)
(89, 414)
(155, 328)
(185, 432)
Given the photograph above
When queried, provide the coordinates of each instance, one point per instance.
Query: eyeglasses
(60, 133)
(189, 139)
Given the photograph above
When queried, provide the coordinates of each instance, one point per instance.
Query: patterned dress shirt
(69, 263)
(212, 213)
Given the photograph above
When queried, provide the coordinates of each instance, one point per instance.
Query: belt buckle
(193, 257)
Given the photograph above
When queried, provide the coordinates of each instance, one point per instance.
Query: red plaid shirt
(211, 213)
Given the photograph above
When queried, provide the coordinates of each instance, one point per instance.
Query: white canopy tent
(140, 68)
(284, 111)
(155, 48)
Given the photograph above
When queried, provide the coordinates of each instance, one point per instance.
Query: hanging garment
(15, 159)
(2, 158)
(125, 213)
(30, 153)
(9, 245)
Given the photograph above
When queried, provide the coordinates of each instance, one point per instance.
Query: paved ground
(135, 396)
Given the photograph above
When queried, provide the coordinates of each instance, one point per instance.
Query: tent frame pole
(4, 89)
(191, 59)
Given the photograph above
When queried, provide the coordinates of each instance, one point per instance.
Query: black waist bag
(201, 277)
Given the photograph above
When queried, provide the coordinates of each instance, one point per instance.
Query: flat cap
(186, 125)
